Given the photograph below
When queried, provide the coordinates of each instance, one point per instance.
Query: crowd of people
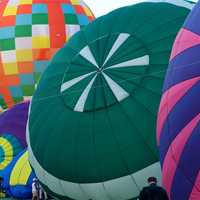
(150, 192)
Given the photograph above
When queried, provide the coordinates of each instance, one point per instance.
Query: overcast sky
(101, 7)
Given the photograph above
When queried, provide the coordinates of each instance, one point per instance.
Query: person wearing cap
(153, 191)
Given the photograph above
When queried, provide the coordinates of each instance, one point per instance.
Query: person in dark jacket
(153, 191)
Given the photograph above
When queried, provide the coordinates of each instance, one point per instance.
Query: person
(42, 194)
(35, 189)
(153, 191)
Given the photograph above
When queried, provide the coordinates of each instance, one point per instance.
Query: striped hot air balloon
(178, 127)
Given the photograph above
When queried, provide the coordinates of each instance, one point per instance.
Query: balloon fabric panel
(178, 123)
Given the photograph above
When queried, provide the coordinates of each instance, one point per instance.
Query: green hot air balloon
(91, 129)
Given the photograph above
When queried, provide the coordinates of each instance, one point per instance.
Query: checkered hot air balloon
(95, 136)
(178, 127)
(12, 133)
(31, 31)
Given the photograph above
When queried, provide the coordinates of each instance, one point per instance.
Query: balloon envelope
(95, 138)
(12, 132)
(9, 147)
(18, 176)
(30, 33)
(178, 127)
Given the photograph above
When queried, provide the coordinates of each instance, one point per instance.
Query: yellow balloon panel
(7, 152)
(21, 171)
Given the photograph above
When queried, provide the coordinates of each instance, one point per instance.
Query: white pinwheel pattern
(119, 92)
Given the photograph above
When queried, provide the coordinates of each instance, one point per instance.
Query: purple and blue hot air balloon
(18, 177)
(12, 133)
(178, 127)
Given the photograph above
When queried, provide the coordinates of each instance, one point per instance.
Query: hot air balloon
(18, 177)
(31, 31)
(9, 146)
(12, 133)
(178, 127)
(95, 137)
